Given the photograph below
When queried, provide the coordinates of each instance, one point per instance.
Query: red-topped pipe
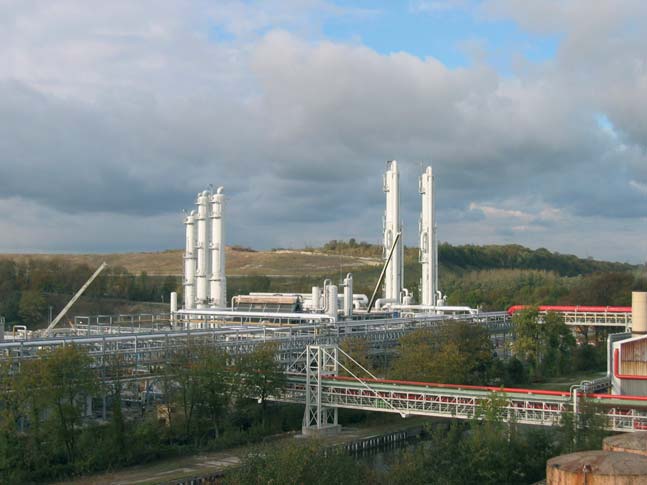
(572, 308)
(508, 390)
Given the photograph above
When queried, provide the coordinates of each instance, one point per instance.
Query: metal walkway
(317, 385)
(144, 349)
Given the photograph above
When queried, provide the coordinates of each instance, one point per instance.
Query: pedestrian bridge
(318, 385)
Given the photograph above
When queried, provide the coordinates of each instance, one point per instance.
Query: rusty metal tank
(597, 468)
(629, 442)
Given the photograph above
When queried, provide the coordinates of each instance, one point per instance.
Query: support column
(321, 362)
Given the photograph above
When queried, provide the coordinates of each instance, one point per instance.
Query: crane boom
(78, 294)
(380, 280)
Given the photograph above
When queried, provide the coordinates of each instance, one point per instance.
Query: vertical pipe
(202, 266)
(189, 262)
(218, 281)
(348, 295)
(332, 305)
(428, 239)
(392, 226)
(316, 303)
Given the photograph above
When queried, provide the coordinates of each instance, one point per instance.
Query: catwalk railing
(523, 406)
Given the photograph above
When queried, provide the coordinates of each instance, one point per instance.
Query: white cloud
(129, 108)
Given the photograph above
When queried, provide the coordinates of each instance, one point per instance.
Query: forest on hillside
(490, 277)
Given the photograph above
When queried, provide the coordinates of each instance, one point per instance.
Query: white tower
(189, 262)
(202, 265)
(393, 278)
(428, 240)
(217, 282)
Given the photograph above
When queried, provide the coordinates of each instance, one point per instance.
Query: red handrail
(573, 308)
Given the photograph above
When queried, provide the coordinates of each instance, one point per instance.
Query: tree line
(471, 257)
(52, 426)
(28, 288)
(481, 451)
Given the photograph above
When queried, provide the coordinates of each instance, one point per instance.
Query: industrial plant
(307, 328)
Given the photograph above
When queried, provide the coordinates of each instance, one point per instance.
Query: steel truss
(143, 350)
(316, 384)
(595, 319)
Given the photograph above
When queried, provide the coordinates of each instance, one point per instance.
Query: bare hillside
(240, 262)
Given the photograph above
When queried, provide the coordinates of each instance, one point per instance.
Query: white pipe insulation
(218, 281)
(348, 295)
(218, 312)
(428, 239)
(189, 262)
(332, 304)
(437, 308)
(392, 225)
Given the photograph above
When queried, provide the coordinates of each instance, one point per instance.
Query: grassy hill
(336, 257)
(492, 277)
(240, 262)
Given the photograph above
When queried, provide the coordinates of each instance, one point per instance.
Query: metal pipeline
(213, 312)
(471, 311)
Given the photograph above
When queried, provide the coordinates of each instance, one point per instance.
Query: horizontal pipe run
(274, 315)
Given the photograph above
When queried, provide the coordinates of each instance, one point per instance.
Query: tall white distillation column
(189, 262)
(393, 278)
(218, 282)
(202, 266)
(428, 240)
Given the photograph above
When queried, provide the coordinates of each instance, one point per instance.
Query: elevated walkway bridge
(313, 379)
(585, 316)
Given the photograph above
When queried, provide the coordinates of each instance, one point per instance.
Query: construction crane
(78, 294)
(380, 280)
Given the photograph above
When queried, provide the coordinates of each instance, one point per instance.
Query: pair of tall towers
(427, 232)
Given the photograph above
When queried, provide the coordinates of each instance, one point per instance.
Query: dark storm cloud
(130, 109)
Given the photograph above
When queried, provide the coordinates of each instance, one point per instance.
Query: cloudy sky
(113, 115)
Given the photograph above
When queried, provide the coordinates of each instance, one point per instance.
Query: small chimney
(639, 313)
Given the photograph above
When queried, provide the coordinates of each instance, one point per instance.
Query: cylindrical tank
(202, 269)
(173, 302)
(316, 294)
(348, 295)
(635, 442)
(332, 305)
(597, 468)
(218, 282)
(189, 262)
(639, 312)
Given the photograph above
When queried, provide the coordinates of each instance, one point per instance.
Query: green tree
(186, 387)
(68, 379)
(261, 375)
(458, 353)
(31, 307)
(215, 381)
(299, 463)
(546, 346)
(357, 348)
